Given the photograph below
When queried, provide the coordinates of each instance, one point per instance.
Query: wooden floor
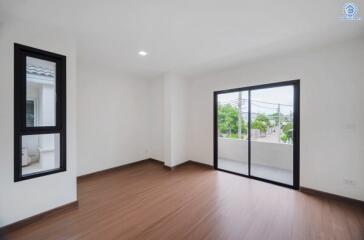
(147, 201)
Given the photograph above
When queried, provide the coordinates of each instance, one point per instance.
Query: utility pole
(279, 122)
(239, 116)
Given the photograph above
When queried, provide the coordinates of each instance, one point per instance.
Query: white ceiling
(187, 36)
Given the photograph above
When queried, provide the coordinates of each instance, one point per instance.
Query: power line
(260, 106)
(270, 103)
(254, 104)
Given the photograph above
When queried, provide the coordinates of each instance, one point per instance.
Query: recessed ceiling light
(142, 53)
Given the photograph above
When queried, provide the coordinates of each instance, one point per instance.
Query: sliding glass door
(257, 132)
(232, 117)
(272, 134)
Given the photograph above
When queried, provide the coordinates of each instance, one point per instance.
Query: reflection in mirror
(40, 153)
(40, 92)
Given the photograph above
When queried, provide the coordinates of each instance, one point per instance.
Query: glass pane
(271, 134)
(40, 153)
(232, 117)
(30, 113)
(41, 93)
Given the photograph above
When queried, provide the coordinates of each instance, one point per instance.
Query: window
(39, 112)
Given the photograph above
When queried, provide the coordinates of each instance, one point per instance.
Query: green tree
(261, 122)
(275, 117)
(261, 125)
(228, 120)
(287, 134)
(263, 118)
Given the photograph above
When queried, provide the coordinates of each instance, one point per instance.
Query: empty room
(181, 119)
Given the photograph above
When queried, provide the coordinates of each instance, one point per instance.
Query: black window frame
(20, 128)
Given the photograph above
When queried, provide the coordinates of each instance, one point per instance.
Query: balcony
(272, 161)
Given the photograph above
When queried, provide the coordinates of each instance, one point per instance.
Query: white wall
(114, 112)
(269, 154)
(332, 129)
(175, 120)
(27, 198)
(156, 119)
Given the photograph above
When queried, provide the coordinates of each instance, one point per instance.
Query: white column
(174, 120)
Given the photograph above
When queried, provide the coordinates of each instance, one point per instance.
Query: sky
(282, 95)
